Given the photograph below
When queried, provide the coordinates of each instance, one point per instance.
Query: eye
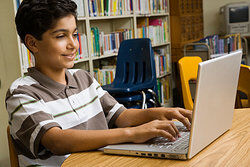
(60, 36)
(75, 35)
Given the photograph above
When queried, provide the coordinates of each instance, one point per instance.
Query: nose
(72, 43)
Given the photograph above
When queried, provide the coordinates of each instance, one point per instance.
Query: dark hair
(37, 16)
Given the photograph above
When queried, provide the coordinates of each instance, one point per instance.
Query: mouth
(69, 56)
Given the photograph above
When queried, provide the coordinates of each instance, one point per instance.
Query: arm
(149, 123)
(134, 117)
(61, 141)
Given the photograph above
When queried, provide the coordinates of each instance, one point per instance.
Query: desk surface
(231, 149)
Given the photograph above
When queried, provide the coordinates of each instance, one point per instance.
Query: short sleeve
(112, 109)
(29, 119)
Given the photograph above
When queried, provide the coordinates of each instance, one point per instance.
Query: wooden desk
(231, 149)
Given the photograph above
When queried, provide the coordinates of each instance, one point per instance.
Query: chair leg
(238, 103)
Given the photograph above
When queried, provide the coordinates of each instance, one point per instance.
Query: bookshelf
(102, 27)
(217, 45)
(187, 22)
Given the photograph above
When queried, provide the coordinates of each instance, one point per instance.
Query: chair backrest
(12, 151)
(244, 81)
(135, 63)
(188, 67)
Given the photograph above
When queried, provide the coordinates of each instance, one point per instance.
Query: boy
(54, 111)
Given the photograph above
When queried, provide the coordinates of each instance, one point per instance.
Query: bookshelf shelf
(110, 17)
(162, 44)
(97, 31)
(81, 18)
(164, 75)
(153, 15)
(105, 56)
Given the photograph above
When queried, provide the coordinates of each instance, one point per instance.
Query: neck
(56, 75)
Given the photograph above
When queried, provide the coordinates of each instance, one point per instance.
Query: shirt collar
(49, 83)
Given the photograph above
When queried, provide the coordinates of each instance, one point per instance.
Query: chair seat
(127, 88)
(137, 97)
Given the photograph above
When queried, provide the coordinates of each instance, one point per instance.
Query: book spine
(90, 8)
(92, 43)
(84, 42)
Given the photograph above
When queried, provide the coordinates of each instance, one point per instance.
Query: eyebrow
(61, 30)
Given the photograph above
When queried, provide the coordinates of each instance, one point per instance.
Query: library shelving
(103, 26)
(187, 23)
(217, 45)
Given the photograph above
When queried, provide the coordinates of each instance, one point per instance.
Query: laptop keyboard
(181, 143)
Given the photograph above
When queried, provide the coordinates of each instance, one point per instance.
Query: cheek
(58, 48)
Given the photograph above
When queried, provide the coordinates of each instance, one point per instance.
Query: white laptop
(216, 88)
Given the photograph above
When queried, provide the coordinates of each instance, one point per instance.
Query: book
(80, 8)
(102, 8)
(219, 45)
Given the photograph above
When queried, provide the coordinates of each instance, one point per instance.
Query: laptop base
(161, 155)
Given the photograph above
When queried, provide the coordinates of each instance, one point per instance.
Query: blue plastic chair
(135, 71)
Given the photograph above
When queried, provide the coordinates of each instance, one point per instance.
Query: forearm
(133, 117)
(68, 141)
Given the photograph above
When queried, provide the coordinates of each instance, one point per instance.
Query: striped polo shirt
(36, 103)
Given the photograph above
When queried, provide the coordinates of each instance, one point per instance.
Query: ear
(31, 43)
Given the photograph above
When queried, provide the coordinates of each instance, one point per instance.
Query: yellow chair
(188, 67)
(12, 151)
(244, 86)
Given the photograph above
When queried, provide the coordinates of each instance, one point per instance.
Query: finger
(176, 130)
(163, 133)
(181, 118)
(186, 113)
(167, 125)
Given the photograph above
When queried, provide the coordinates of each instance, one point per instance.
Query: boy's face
(58, 47)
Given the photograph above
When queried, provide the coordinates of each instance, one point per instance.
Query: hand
(162, 113)
(156, 128)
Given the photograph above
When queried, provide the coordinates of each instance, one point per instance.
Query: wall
(9, 70)
(211, 14)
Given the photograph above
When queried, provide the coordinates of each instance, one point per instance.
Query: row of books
(162, 62)
(163, 87)
(105, 44)
(110, 7)
(28, 59)
(104, 76)
(151, 6)
(222, 44)
(83, 50)
(125, 7)
(155, 29)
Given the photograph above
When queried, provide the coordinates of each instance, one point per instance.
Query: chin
(69, 65)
